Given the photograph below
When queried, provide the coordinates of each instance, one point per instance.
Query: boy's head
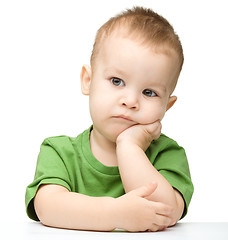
(144, 26)
(135, 64)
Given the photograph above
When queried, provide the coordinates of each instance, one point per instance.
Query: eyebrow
(161, 86)
(117, 71)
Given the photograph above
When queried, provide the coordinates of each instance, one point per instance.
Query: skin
(129, 91)
(156, 72)
(135, 93)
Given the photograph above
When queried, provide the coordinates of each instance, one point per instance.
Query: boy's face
(130, 84)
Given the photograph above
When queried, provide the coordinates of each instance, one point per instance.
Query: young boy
(121, 172)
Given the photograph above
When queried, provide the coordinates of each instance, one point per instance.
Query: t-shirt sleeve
(172, 163)
(50, 169)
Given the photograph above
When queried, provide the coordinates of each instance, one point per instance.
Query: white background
(43, 45)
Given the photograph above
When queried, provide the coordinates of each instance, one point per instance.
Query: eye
(117, 82)
(149, 93)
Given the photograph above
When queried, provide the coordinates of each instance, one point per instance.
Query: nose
(130, 101)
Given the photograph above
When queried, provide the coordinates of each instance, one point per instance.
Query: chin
(113, 135)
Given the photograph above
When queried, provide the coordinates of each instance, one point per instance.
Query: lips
(123, 117)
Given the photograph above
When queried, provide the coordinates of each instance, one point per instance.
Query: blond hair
(144, 25)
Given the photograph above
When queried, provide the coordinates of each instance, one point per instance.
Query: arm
(57, 207)
(136, 169)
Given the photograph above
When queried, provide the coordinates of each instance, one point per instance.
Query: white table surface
(183, 231)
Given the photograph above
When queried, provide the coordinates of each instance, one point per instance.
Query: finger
(157, 131)
(162, 209)
(154, 129)
(162, 221)
(154, 228)
(145, 190)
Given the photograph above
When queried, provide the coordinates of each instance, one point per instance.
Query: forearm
(57, 207)
(136, 170)
(66, 209)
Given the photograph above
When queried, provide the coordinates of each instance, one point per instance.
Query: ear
(171, 102)
(85, 79)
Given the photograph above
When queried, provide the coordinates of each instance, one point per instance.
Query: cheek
(96, 107)
(99, 105)
(152, 114)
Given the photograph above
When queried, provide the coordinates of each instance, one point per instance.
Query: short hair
(144, 25)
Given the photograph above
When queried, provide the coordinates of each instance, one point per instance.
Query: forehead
(122, 39)
(121, 54)
(144, 40)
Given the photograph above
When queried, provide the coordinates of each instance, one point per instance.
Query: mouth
(125, 118)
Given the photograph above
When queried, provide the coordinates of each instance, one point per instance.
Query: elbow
(47, 204)
(44, 212)
(40, 210)
(43, 205)
(178, 206)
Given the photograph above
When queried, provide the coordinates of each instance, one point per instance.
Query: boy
(121, 172)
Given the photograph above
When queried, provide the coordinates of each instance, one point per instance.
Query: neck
(103, 149)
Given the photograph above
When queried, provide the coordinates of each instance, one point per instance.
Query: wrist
(118, 214)
(126, 150)
(126, 138)
(131, 144)
(123, 143)
(110, 214)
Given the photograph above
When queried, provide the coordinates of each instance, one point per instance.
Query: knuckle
(154, 228)
(165, 222)
(167, 209)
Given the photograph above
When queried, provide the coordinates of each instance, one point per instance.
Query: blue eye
(149, 93)
(117, 82)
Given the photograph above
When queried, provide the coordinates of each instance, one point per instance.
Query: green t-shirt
(69, 162)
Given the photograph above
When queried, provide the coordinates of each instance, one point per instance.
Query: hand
(141, 135)
(135, 213)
